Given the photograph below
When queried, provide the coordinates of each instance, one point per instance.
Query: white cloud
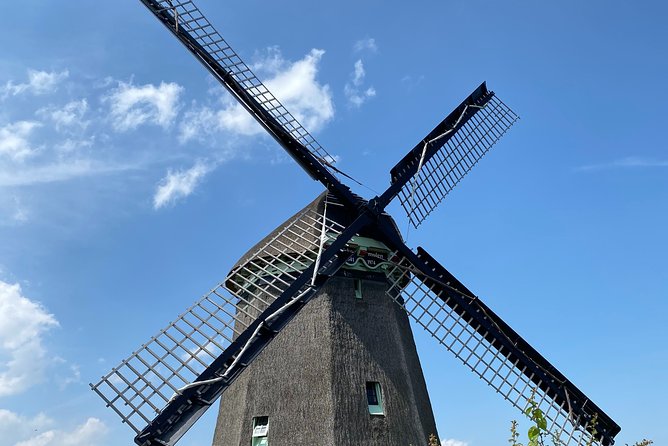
(452, 442)
(294, 84)
(89, 433)
(232, 118)
(67, 375)
(39, 82)
(12, 211)
(198, 123)
(70, 114)
(70, 145)
(355, 93)
(70, 139)
(358, 73)
(132, 106)
(300, 92)
(368, 44)
(20, 214)
(15, 427)
(410, 81)
(23, 324)
(58, 171)
(179, 184)
(14, 139)
(269, 61)
(626, 163)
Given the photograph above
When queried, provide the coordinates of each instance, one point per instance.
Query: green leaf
(534, 433)
(538, 417)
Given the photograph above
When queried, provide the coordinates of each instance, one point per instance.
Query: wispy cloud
(131, 106)
(12, 212)
(358, 73)
(39, 82)
(71, 375)
(625, 163)
(58, 171)
(15, 427)
(92, 431)
(453, 442)
(19, 214)
(354, 90)
(15, 140)
(69, 115)
(73, 144)
(411, 81)
(367, 44)
(179, 184)
(67, 138)
(23, 324)
(294, 84)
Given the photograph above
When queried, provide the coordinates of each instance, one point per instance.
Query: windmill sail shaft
(195, 32)
(436, 164)
(435, 299)
(214, 340)
(179, 414)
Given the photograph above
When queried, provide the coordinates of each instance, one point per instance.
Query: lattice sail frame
(440, 174)
(189, 18)
(140, 386)
(436, 313)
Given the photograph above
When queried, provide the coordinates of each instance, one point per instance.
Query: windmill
(340, 252)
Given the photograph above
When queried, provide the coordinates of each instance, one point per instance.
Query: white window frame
(375, 409)
(260, 431)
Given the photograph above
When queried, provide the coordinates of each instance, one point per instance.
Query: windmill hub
(367, 257)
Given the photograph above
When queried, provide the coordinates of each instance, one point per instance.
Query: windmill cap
(277, 239)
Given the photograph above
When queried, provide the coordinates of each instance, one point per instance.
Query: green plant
(514, 434)
(433, 441)
(538, 432)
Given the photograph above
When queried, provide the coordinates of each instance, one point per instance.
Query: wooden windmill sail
(309, 271)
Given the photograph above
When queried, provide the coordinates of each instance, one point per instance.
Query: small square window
(260, 431)
(374, 398)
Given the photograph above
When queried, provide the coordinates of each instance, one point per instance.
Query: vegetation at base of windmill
(433, 441)
(538, 431)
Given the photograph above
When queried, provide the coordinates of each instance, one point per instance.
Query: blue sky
(129, 185)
